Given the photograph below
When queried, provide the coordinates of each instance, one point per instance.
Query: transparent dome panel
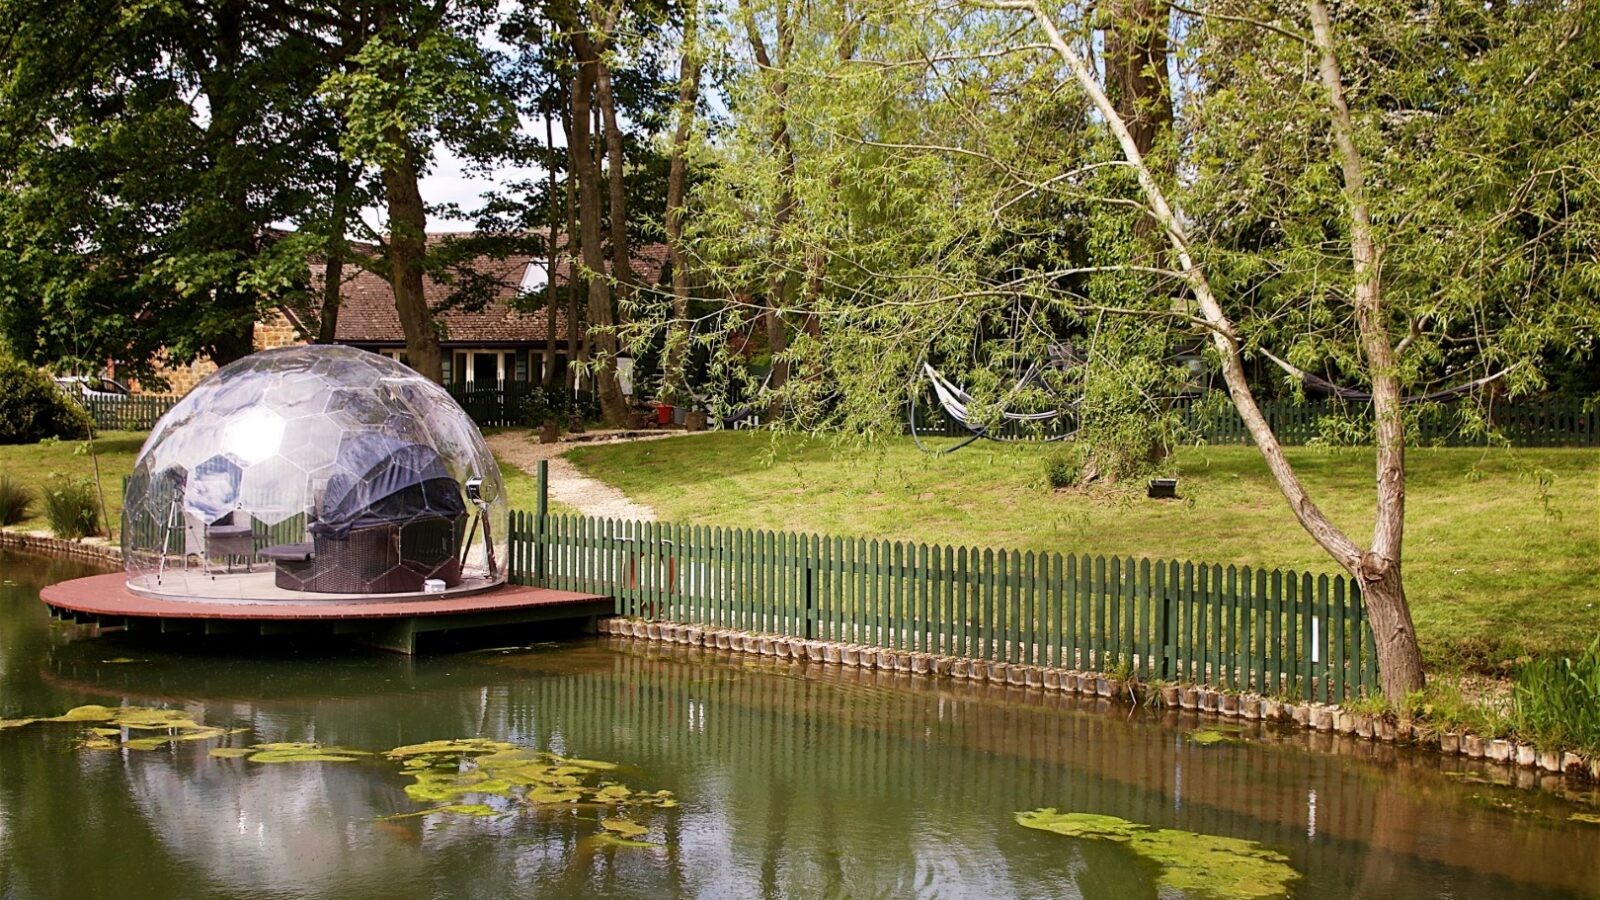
(313, 472)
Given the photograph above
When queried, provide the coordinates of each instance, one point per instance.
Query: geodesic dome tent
(317, 469)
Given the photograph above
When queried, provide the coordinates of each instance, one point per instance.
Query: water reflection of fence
(1272, 632)
(961, 760)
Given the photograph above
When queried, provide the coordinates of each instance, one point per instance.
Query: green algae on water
(107, 723)
(461, 775)
(1207, 737)
(1198, 865)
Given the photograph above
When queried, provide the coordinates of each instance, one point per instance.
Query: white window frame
(499, 363)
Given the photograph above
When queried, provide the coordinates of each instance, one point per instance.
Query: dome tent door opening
(313, 470)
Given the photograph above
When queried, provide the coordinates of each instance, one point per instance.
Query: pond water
(783, 781)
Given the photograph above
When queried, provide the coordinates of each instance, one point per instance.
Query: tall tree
(146, 158)
(691, 58)
(980, 153)
(422, 80)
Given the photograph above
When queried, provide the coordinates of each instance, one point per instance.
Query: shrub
(1557, 701)
(32, 408)
(1063, 465)
(71, 507)
(16, 503)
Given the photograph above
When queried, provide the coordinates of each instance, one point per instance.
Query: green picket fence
(138, 412)
(1272, 632)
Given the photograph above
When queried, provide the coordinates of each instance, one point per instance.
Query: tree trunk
(675, 378)
(602, 339)
(408, 248)
(333, 270)
(577, 352)
(547, 374)
(1399, 659)
(621, 259)
(1136, 68)
(775, 74)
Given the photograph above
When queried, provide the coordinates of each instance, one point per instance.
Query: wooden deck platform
(393, 625)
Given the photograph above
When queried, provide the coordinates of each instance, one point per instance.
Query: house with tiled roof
(503, 337)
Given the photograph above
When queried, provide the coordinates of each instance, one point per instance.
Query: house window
(399, 355)
(487, 366)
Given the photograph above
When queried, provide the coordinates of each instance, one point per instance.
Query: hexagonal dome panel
(317, 470)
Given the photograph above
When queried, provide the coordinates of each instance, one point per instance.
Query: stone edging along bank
(33, 542)
(1249, 707)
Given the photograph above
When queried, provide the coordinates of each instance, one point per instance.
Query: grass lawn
(32, 464)
(1502, 547)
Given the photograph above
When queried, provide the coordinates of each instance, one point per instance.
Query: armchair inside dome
(314, 471)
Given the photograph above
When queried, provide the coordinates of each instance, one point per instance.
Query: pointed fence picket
(1273, 632)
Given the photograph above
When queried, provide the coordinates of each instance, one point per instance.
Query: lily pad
(1586, 818)
(1198, 865)
(231, 752)
(303, 751)
(624, 827)
(90, 713)
(153, 743)
(462, 809)
(92, 741)
(15, 723)
(1207, 737)
(465, 747)
(607, 839)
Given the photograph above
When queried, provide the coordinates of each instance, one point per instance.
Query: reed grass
(16, 501)
(1557, 701)
(71, 507)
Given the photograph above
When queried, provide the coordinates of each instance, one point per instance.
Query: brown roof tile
(367, 314)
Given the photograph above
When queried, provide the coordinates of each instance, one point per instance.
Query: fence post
(541, 513)
(1164, 602)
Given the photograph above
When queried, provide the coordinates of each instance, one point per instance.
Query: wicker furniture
(380, 559)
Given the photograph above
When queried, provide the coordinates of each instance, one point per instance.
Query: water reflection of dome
(300, 828)
(313, 470)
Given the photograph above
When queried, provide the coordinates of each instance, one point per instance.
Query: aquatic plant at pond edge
(16, 501)
(1198, 865)
(1556, 701)
(71, 507)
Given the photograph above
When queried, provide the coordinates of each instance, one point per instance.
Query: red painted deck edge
(108, 595)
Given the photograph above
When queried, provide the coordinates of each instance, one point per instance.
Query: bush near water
(32, 408)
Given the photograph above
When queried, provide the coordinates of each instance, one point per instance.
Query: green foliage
(145, 155)
(1557, 701)
(72, 507)
(16, 501)
(1445, 706)
(32, 408)
(421, 81)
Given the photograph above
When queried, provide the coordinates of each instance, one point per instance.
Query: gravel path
(568, 485)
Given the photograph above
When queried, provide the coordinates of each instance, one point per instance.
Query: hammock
(956, 403)
(737, 414)
(1324, 386)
